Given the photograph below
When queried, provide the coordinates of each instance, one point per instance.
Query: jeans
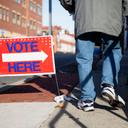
(110, 67)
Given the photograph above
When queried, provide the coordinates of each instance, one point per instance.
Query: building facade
(20, 17)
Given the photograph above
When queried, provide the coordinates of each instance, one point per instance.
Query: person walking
(98, 21)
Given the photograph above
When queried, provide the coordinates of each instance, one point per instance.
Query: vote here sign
(26, 56)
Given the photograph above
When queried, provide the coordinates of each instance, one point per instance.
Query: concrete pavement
(104, 115)
(29, 114)
(24, 115)
(46, 115)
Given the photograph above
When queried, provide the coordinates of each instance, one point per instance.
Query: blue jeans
(110, 67)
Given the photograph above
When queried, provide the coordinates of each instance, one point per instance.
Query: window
(18, 1)
(30, 24)
(39, 10)
(33, 6)
(4, 14)
(16, 18)
(13, 18)
(34, 26)
(23, 22)
(23, 2)
(0, 13)
(39, 29)
(7, 16)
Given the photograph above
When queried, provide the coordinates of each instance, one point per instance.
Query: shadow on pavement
(122, 90)
(52, 123)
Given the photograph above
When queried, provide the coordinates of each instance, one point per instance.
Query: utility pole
(50, 17)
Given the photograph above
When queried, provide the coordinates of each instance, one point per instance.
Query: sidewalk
(24, 114)
(42, 114)
(104, 115)
(29, 103)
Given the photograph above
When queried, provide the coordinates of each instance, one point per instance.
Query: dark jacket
(99, 16)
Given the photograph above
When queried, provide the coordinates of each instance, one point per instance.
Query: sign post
(26, 56)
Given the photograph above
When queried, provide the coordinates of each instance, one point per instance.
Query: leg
(111, 64)
(111, 67)
(84, 58)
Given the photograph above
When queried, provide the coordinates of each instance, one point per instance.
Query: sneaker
(118, 102)
(86, 105)
(108, 93)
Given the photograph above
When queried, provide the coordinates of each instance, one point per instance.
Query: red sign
(26, 56)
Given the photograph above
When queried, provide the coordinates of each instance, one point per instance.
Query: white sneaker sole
(86, 109)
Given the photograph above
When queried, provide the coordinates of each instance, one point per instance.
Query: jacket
(100, 16)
